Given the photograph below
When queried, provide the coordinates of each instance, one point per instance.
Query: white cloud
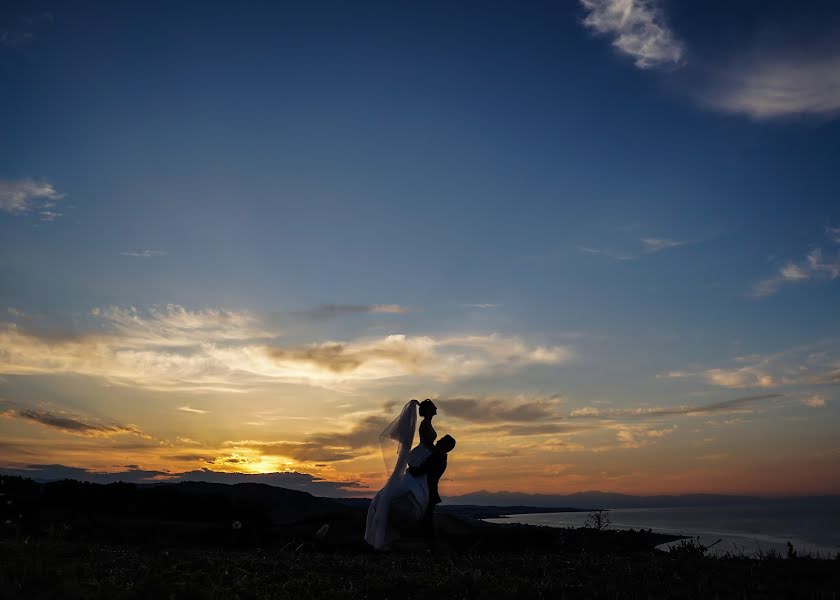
(762, 83)
(637, 28)
(602, 252)
(143, 253)
(174, 325)
(393, 309)
(814, 267)
(398, 355)
(658, 244)
(814, 401)
(809, 365)
(175, 348)
(541, 410)
(733, 405)
(780, 87)
(23, 196)
(649, 245)
(740, 378)
(639, 437)
(190, 409)
(327, 311)
(482, 305)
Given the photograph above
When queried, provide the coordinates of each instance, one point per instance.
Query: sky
(603, 236)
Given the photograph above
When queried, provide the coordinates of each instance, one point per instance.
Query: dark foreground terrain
(72, 540)
(74, 570)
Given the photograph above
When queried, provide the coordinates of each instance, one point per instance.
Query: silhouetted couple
(408, 499)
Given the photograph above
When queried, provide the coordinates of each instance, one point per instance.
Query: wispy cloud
(777, 87)
(760, 82)
(72, 423)
(309, 452)
(640, 436)
(734, 404)
(160, 347)
(327, 311)
(325, 445)
(398, 355)
(174, 325)
(482, 306)
(814, 401)
(808, 365)
(175, 348)
(647, 245)
(814, 267)
(391, 309)
(637, 28)
(190, 409)
(528, 430)
(491, 409)
(24, 196)
(607, 253)
(143, 253)
(651, 245)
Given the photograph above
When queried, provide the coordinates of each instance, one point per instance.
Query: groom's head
(446, 443)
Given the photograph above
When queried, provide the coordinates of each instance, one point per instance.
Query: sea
(811, 527)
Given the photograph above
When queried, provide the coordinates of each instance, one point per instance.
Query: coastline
(748, 535)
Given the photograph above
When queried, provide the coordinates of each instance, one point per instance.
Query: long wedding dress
(404, 498)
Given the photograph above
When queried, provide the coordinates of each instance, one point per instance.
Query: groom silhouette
(433, 467)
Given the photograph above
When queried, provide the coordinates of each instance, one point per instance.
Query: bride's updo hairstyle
(427, 408)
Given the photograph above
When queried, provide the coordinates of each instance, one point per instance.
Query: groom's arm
(427, 466)
(430, 466)
(420, 470)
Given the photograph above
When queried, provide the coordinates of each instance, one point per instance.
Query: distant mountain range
(251, 487)
(594, 499)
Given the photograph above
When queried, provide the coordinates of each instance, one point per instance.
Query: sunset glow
(246, 253)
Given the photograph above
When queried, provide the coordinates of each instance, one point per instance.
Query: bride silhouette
(424, 449)
(404, 500)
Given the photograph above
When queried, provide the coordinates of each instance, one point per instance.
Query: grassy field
(78, 570)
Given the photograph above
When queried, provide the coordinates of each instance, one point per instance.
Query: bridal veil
(396, 441)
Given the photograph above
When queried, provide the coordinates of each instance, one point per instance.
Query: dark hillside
(184, 513)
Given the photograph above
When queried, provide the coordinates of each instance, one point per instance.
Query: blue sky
(583, 205)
